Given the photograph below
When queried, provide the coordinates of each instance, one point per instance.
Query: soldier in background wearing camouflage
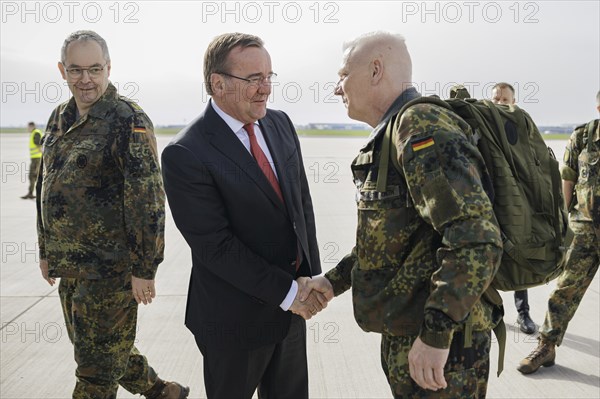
(580, 174)
(100, 204)
(427, 242)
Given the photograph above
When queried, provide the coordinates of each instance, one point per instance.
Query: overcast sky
(549, 50)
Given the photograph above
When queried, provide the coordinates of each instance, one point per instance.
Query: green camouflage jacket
(428, 247)
(582, 166)
(100, 198)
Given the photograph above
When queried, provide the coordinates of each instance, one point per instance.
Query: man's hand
(143, 290)
(319, 284)
(426, 365)
(312, 297)
(44, 269)
(309, 307)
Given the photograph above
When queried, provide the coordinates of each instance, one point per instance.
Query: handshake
(312, 297)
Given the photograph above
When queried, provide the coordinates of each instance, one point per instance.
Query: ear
(108, 69)
(217, 83)
(376, 71)
(598, 108)
(61, 68)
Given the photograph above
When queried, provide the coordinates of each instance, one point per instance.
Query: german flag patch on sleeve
(422, 143)
(139, 129)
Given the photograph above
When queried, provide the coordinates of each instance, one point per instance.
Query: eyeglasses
(257, 80)
(77, 72)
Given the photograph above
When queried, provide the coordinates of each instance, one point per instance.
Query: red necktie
(262, 160)
(265, 166)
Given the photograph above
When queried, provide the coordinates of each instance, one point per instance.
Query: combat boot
(167, 390)
(525, 323)
(543, 355)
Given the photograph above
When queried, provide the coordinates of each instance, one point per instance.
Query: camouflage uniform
(582, 166)
(427, 247)
(101, 216)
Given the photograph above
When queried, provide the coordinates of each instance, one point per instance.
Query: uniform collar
(407, 95)
(105, 104)
(99, 109)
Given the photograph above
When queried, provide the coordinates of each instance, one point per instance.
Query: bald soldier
(427, 242)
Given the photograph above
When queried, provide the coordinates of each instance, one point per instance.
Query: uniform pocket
(461, 384)
(102, 317)
(85, 163)
(587, 181)
(370, 297)
(383, 227)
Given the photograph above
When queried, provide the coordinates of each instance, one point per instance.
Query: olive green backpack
(526, 189)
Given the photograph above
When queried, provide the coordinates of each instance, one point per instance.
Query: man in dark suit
(238, 193)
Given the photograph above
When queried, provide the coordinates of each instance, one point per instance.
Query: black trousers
(279, 371)
(521, 301)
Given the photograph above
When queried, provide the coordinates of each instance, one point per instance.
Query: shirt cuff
(289, 298)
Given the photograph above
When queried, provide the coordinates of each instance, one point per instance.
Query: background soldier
(35, 153)
(580, 173)
(101, 223)
(423, 232)
(504, 93)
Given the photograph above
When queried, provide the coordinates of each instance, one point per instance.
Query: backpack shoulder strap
(591, 127)
(388, 150)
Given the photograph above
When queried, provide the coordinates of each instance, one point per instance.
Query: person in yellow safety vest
(35, 153)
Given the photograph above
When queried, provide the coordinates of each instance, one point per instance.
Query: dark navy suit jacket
(244, 241)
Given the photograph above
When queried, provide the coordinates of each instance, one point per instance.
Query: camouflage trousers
(581, 266)
(466, 371)
(34, 167)
(101, 318)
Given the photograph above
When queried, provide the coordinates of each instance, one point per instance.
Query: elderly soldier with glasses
(101, 219)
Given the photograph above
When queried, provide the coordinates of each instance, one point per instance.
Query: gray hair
(84, 35)
(371, 37)
(215, 57)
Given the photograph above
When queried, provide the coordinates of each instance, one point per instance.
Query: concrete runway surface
(37, 357)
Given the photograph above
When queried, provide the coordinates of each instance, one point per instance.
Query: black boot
(525, 323)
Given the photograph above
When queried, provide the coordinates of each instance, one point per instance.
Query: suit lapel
(279, 154)
(226, 142)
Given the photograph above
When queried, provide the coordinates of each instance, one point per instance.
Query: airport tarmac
(36, 357)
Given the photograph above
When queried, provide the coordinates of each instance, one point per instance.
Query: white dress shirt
(238, 128)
